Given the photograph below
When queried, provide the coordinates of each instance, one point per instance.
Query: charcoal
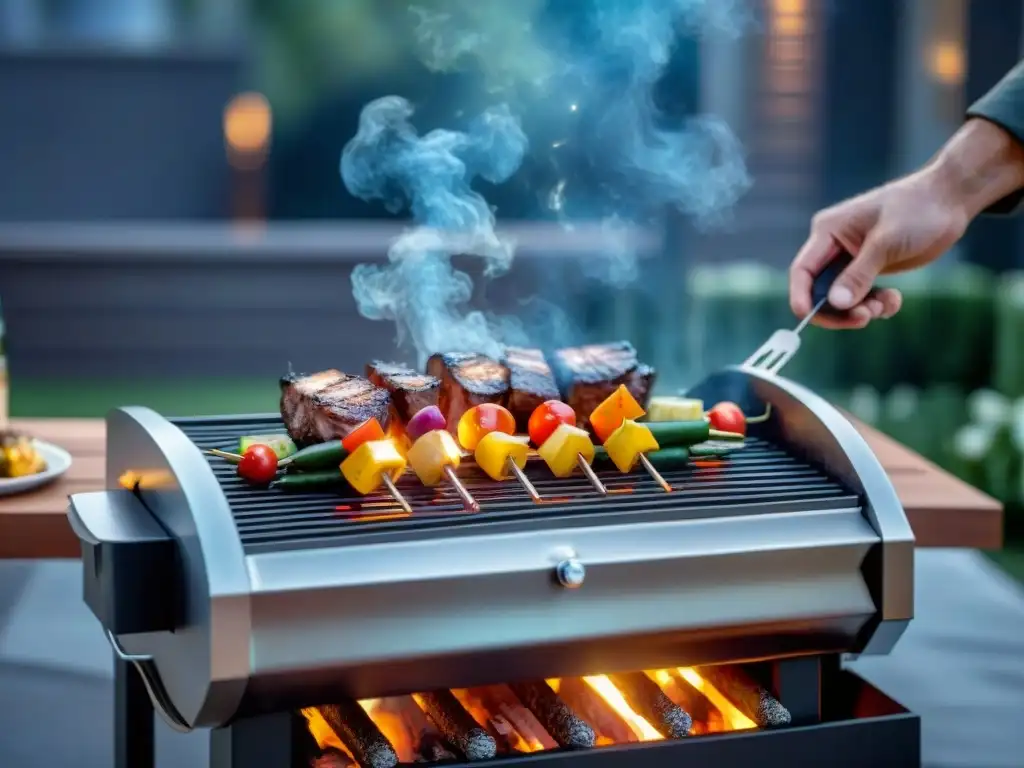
(651, 703)
(332, 758)
(457, 726)
(747, 695)
(360, 734)
(564, 725)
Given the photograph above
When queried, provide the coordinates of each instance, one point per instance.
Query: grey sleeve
(1004, 106)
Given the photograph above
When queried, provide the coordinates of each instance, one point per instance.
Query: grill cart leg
(268, 741)
(133, 718)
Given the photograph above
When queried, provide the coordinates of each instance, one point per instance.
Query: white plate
(57, 462)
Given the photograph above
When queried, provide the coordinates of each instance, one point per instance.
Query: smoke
(431, 176)
(586, 77)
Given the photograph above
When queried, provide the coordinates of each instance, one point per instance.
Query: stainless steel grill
(238, 606)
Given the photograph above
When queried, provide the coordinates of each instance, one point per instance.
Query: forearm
(980, 165)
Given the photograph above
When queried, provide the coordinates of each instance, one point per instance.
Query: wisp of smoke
(431, 175)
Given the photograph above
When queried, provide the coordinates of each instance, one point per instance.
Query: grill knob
(570, 573)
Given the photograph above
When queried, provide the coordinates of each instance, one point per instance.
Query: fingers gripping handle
(824, 281)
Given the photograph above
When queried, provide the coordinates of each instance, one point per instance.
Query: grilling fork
(782, 345)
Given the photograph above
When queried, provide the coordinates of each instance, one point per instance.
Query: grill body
(796, 546)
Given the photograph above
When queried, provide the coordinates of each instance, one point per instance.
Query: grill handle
(129, 562)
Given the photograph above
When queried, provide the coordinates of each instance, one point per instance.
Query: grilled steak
(330, 404)
(587, 375)
(466, 380)
(410, 391)
(530, 383)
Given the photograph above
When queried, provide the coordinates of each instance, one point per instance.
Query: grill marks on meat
(467, 380)
(531, 383)
(587, 375)
(328, 405)
(410, 391)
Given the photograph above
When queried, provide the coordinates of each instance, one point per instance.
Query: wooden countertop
(943, 511)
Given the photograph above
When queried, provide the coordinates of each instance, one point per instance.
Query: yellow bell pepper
(562, 449)
(626, 443)
(495, 450)
(616, 408)
(364, 469)
(431, 453)
(21, 459)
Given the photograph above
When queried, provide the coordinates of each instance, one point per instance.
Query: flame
(735, 719)
(606, 689)
(322, 732)
(519, 741)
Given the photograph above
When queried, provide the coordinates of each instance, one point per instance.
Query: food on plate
(626, 440)
(546, 418)
(410, 390)
(481, 420)
(675, 433)
(531, 382)
(467, 380)
(330, 404)
(375, 463)
(258, 464)
(18, 456)
(281, 445)
(587, 375)
(613, 410)
(675, 409)
(426, 420)
(434, 457)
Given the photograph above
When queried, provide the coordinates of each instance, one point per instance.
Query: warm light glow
(947, 63)
(323, 733)
(521, 742)
(736, 719)
(788, 18)
(247, 123)
(789, 7)
(606, 689)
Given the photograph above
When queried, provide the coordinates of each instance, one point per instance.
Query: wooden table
(943, 511)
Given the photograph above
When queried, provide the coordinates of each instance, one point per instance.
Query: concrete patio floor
(960, 665)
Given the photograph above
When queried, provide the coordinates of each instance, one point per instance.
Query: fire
(322, 732)
(606, 689)
(735, 719)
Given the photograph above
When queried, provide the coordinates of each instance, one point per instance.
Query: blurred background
(174, 230)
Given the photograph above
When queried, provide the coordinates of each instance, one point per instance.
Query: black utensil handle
(824, 281)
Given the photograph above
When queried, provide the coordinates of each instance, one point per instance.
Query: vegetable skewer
(628, 442)
(434, 455)
(562, 444)
(488, 431)
(373, 461)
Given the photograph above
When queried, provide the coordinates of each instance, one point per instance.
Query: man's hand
(905, 224)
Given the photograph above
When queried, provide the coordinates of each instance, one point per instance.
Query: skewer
(471, 504)
(396, 494)
(232, 457)
(654, 473)
(524, 481)
(595, 481)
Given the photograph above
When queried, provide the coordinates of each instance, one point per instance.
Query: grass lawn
(211, 397)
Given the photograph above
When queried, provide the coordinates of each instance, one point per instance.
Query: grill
(638, 628)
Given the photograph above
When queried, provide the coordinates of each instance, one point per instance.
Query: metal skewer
(524, 481)
(471, 504)
(396, 494)
(591, 475)
(654, 473)
(232, 457)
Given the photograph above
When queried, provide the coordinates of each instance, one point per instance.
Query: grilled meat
(330, 404)
(410, 391)
(467, 380)
(587, 375)
(530, 383)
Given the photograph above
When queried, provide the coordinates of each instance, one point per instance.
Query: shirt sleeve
(1004, 106)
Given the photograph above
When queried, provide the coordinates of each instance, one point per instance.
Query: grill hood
(233, 602)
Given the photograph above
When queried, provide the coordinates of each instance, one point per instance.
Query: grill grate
(761, 478)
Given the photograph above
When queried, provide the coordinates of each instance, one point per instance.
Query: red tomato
(728, 417)
(547, 417)
(258, 464)
(364, 433)
(481, 420)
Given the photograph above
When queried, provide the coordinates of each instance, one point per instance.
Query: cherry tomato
(364, 433)
(547, 417)
(258, 464)
(481, 420)
(728, 417)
